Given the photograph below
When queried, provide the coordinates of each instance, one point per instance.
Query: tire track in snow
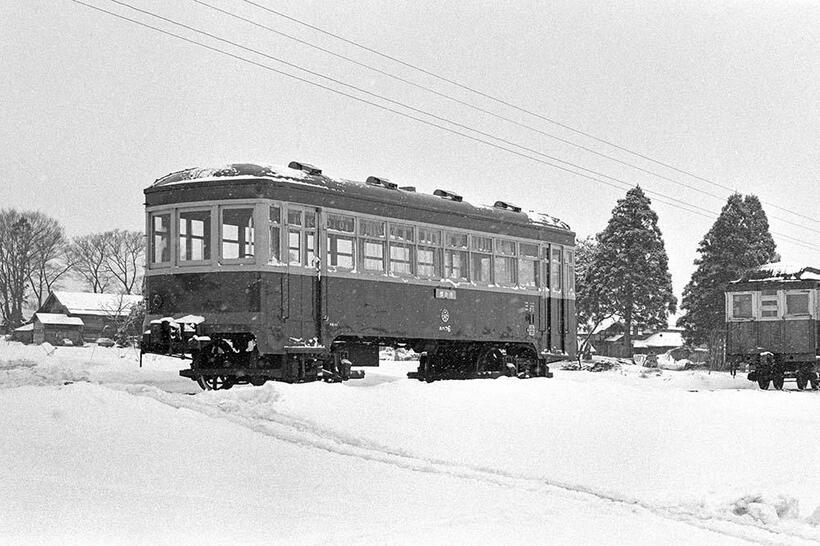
(259, 416)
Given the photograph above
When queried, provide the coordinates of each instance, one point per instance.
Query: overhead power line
(708, 214)
(524, 110)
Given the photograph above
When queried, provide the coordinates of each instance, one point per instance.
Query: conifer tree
(738, 241)
(630, 266)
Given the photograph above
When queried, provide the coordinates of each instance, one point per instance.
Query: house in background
(55, 328)
(100, 314)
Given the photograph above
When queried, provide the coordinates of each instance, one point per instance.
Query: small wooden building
(55, 328)
(23, 334)
(100, 313)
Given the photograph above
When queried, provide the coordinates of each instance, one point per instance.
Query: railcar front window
(194, 236)
(569, 271)
(237, 234)
(742, 306)
(160, 238)
(797, 304)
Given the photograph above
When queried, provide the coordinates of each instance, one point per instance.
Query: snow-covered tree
(593, 304)
(739, 240)
(630, 269)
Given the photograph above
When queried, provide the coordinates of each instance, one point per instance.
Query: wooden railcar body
(773, 325)
(331, 269)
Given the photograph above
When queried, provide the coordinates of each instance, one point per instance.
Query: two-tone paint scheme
(278, 311)
(773, 325)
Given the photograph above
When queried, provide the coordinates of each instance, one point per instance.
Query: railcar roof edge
(253, 171)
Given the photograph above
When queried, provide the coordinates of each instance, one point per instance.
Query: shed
(100, 313)
(55, 327)
(23, 334)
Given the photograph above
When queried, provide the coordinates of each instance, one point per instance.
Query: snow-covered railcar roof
(255, 171)
(779, 272)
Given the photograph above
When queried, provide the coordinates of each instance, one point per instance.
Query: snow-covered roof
(782, 271)
(25, 328)
(86, 303)
(58, 319)
(244, 170)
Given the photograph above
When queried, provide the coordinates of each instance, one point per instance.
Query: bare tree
(125, 256)
(89, 254)
(49, 256)
(31, 244)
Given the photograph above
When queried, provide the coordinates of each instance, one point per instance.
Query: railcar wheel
(777, 382)
(802, 381)
(489, 360)
(763, 383)
(215, 382)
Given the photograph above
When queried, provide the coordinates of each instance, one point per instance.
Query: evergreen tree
(592, 302)
(738, 241)
(630, 267)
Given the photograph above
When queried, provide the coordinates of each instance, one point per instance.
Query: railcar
(772, 325)
(257, 273)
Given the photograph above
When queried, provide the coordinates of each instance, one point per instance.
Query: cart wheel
(215, 382)
(763, 382)
(777, 382)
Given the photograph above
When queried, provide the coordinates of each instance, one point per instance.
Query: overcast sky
(95, 108)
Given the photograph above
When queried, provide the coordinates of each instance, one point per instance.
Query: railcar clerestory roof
(252, 174)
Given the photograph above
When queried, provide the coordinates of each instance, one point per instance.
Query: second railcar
(261, 273)
(773, 325)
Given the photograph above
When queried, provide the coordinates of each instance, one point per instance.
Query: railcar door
(303, 291)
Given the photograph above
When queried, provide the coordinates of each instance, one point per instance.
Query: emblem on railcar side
(445, 315)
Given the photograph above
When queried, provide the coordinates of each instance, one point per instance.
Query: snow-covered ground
(98, 450)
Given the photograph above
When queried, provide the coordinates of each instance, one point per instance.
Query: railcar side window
(482, 259)
(372, 245)
(341, 241)
(455, 257)
(276, 234)
(160, 238)
(428, 255)
(238, 234)
(301, 236)
(506, 265)
(194, 235)
(528, 265)
(742, 306)
(569, 271)
(769, 305)
(555, 270)
(797, 303)
(401, 249)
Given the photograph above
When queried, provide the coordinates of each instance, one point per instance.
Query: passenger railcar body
(260, 273)
(772, 325)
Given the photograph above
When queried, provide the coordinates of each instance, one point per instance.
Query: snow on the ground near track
(97, 449)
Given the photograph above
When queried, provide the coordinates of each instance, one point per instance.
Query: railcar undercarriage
(475, 360)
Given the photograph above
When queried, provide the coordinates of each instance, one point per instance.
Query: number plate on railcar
(445, 294)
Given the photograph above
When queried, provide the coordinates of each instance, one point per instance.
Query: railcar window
(194, 235)
(555, 269)
(276, 234)
(569, 271)
(341, 246)
(528, 265)
(769, 305)
(301, 236)
(429, 262)
(160, 238)
(455, 257)
(482, 259)
(372, 245)
(506, 265)
(742, 306)
(797, 303)
(237, 234)
(401, 249)
(545, 254)
(430, 237)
